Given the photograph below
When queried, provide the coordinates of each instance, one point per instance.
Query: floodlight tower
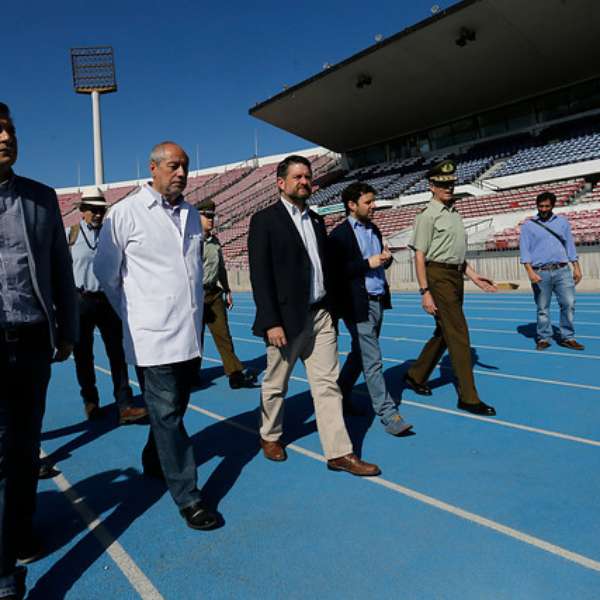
(94, 73)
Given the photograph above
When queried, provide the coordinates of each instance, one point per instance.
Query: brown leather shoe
(273, 450)
(354, 465)
(131, 414)
(542, 345)
(573, 344)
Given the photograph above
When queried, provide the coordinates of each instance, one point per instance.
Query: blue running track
(466, 508)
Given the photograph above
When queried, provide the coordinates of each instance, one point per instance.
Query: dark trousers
(215, 316)
(95, 311)
(166, 390)
(451, 332)
(24, 377)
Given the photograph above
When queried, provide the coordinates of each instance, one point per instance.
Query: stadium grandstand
(513, 126)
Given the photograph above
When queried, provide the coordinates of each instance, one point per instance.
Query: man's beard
(544, 216)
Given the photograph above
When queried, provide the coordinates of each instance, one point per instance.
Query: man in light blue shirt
(547, 248)
(360, 295)
(96, 311)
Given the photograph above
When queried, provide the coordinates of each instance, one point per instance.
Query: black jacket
(349, 296)
(280, 270)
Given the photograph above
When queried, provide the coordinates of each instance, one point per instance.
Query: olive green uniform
(215, 313)
(440, 235)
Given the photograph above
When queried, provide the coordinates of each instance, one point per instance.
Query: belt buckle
(11, 335)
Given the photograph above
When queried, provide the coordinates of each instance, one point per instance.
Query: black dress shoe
(198, 516)
(29, 549)
(481, 408)
(420, 388)
(242, 379)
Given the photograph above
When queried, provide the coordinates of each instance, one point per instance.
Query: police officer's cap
(443, 171)
(206, 205)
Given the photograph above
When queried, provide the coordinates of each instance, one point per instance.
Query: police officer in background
(440, 245)
(215, 285)
(96, 311)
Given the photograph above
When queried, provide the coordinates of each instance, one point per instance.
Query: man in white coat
(149, 263)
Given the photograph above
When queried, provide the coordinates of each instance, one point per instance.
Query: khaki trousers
(317, 347)
(451, 332)
(215, 316)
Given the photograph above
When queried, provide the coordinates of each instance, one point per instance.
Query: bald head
(169, 165)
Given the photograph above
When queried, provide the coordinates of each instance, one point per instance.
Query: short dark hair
(546, 196)
(4, 110)
(292, 159)
(354, 191)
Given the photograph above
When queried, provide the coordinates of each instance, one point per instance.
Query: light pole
(94, 74)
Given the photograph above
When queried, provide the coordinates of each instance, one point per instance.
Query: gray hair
(157, 154)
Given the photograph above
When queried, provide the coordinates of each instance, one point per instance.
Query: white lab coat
(152, 276)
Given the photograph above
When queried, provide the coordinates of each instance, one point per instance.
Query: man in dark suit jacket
(360, 295)
(38, 324)
(288, 271)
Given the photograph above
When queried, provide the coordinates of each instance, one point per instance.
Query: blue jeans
(166, 390)
(24, 376)
(365, 356)
(559, 281)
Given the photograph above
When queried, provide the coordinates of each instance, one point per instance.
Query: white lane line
(136, 577)
(482, 346)
(536, 542)
(541, 544)
(393, 313)
(464, 415)
(478, 330)
(583, 386)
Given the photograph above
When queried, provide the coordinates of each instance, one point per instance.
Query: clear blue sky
(185, 72)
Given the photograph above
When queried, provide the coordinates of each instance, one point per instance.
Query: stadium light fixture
(94, 74)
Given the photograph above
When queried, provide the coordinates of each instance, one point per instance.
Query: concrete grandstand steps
(490, 172)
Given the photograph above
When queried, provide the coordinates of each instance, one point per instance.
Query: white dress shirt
(303, 222)
(152, 276)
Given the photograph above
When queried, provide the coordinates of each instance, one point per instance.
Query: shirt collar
(293, 209)
(88, 226)
(440, 206)
(356, 223)
(159, 199)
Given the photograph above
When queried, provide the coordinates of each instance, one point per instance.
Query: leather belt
(12, 334)
(376, 297)
(550, 267)
(460, 268)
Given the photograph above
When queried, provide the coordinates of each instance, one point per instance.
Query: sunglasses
(97, 210)
(209, 214)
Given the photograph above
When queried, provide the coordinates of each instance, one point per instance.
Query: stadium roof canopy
(421, 77)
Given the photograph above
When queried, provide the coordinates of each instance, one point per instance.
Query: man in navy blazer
(288, 270)
(360, 295)
(38, 324)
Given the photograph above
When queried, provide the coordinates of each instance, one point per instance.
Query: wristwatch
(423, 290)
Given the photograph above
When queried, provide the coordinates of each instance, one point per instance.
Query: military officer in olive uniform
(215, 286)
(440, 245)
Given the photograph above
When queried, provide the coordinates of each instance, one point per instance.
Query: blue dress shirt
(18, 302)
(369, 245)
(539, 247)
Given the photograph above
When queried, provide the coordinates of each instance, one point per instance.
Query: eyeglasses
(209, 214)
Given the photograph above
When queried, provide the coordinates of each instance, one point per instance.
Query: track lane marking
(539, 543)
(136, 577)
(583, 386)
